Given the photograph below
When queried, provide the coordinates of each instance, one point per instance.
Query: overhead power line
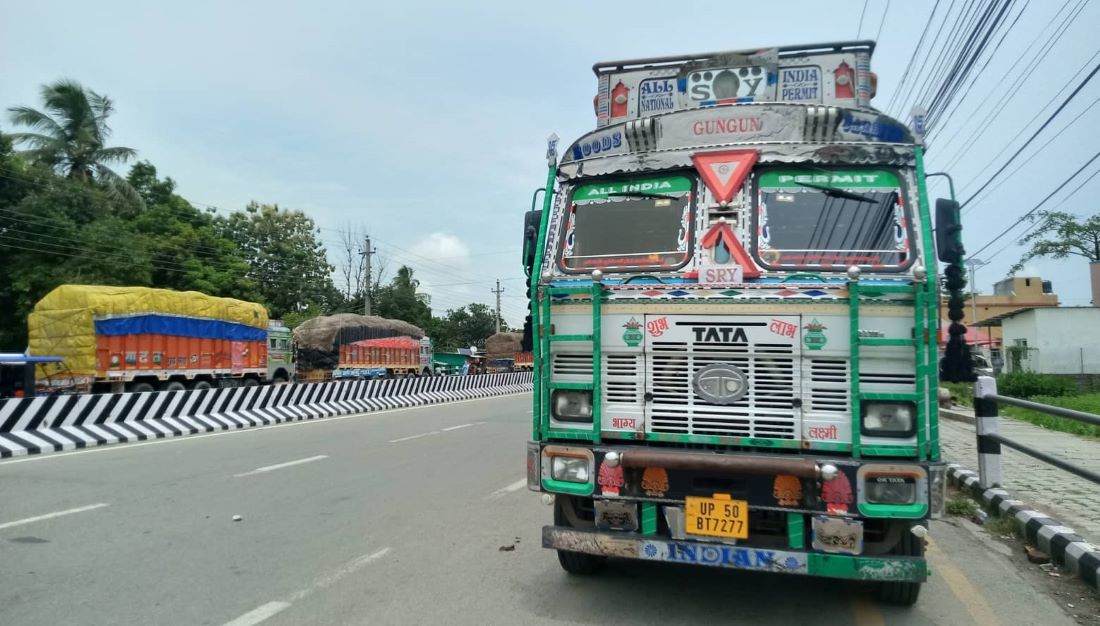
(1046, 123)
(1036, 207)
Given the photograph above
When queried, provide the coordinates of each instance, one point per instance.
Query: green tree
(467, 326)
(286, 260)
(189, 252)
(400, 301)
(69, 136)
(1060, 235)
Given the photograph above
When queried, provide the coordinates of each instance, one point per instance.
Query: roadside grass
(961, 505)
(963, 393)
(1002, 525)
(1086, 402)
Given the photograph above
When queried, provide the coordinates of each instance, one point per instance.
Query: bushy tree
(286, 260)
(400, 300)
(1060, 235)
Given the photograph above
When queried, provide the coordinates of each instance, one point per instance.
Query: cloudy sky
(424, 123)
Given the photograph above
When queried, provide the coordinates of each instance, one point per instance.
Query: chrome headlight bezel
(887, 418)
(571, 405)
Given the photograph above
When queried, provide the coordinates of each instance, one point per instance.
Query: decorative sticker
(624, 423)
(657, 327)
(787, 490)
(837, 493)
(814, 338)
(783, 329)
(827, 433)
(610, 479)
(656, 95)
(655, 482)
(633, 335)
(800, 84)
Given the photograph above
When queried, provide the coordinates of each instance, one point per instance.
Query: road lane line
(265, 611)
(434, 432)
(271, 468)
(259, 614)
(450, 428)
(972, 600)
(39, 518)
(339, 573)
(189, 437)
(503, 491)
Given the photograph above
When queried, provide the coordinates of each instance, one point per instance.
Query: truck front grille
(767, 410)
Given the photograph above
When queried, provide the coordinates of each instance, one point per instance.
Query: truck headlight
(888, 419)
(890, 490)
(569, 469)
(569, 405)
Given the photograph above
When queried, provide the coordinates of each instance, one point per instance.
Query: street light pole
(974, 264)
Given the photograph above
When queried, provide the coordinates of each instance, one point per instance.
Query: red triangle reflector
(724, 172)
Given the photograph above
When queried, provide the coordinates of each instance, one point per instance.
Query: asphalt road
(417, 516)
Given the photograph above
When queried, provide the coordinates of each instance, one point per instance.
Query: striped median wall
(64, 422)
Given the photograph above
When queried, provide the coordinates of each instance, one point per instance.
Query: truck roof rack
(839, 46)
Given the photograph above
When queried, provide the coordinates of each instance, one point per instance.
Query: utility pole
(366, 254)
(499, 290)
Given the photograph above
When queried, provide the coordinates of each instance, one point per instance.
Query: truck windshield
(828, 218)
(636, 224)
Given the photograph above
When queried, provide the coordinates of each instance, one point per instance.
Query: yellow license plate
(716, 517)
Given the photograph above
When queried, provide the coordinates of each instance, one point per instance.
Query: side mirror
(531, 222)
(948, 225)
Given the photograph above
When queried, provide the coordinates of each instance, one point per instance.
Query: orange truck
(140, 339)
(384, 358)
(524, 361)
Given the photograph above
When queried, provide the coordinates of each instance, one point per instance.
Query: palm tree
(68, 136)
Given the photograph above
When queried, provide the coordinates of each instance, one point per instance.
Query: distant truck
(387, 357)
(280, 353)
(340, 346)
(114, 339)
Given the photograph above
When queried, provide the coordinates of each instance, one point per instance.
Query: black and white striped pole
(985, 422)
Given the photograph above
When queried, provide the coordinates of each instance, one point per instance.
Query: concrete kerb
(1062, 543)
(58, 423)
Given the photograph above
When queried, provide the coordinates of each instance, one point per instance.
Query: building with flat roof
(1009, 295)
(1047, 340)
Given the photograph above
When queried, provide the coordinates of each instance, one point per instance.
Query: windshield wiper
(639, 194)
(839, 193)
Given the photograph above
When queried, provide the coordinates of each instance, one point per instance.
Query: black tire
(278, 380)
(173, 385)
(250, 382)
(201, 384)
(141, 388)
(903, 593)
(577, 563)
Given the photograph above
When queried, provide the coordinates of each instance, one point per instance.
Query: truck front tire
(897, 592)
(579, 563)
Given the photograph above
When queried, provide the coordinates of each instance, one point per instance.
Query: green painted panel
(796, 531)
(649, 518)
(600, 191)
(867, 568)
(560, 486)
(844, 179)
(754, 442)
(917, 510)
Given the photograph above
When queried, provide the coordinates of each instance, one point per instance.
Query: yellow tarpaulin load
(63, 322)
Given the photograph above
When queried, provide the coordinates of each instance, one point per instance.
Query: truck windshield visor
(831, 219)
(632, 225)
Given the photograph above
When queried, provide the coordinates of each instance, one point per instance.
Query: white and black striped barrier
(63, 422)
(1062, 543)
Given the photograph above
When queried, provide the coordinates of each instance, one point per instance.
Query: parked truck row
(95, 338)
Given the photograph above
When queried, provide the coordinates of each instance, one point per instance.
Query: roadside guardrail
(64, 422)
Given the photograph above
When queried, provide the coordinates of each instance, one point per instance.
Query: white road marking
(39, 518)
(271, 468)
(265, 611)
(450, 428)
(259, 614)
(503, 491)
(238, 431)
(434, 432)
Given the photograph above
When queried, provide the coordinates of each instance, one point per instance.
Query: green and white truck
(734, 316)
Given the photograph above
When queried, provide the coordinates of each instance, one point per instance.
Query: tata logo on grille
(720, 383)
